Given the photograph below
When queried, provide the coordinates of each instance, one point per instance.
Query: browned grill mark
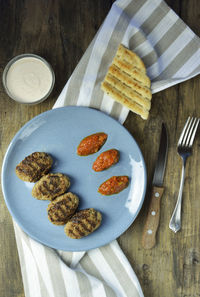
(62, 208)
(54, 180)
(48, 189)
(71, 231)
(58, 207)
(56, 218)
(59, 204)
(33, 163)
(79, 231)
(91, 223)
(34, 166)
(61, 215)
(40, 189)
(50, 186)
(83, 223)
(85, 227)
(44, 186)
(52, 217)
(28, 163)
(23, 169)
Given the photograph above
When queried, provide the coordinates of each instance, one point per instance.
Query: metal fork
(184, 150)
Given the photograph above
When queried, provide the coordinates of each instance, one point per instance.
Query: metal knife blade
(162, 157)
(153, 216)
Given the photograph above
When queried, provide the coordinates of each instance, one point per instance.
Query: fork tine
(193, 122)
(194, 133)
(183, 131)
(187, 132)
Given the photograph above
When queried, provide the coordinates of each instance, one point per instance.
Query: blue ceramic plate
(59, 132)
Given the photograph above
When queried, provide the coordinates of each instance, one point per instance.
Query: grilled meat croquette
(62, 208)
(51, 186)
(83, 223)
(34, 166)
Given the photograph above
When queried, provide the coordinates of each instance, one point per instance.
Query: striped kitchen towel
(171, 53)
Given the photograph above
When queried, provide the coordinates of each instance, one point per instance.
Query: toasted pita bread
(127, 83)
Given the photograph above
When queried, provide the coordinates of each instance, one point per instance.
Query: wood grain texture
(60, 31)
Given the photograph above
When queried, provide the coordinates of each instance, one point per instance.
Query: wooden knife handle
(153, 218)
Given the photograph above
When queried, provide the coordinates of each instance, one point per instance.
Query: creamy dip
(29, 79)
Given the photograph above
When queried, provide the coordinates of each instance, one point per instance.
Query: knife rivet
(149, 231)
(153, 213)
(157, 194)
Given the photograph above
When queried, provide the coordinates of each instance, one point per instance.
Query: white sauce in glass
(29, 79)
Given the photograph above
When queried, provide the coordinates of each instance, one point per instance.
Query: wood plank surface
(61, 31)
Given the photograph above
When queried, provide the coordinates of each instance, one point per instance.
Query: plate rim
(12, 213)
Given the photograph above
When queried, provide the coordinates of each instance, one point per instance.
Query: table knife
(153, 215)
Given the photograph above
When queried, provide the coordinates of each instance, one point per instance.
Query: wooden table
(61, 31)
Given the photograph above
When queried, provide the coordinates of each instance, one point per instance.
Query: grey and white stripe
(171, 53)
